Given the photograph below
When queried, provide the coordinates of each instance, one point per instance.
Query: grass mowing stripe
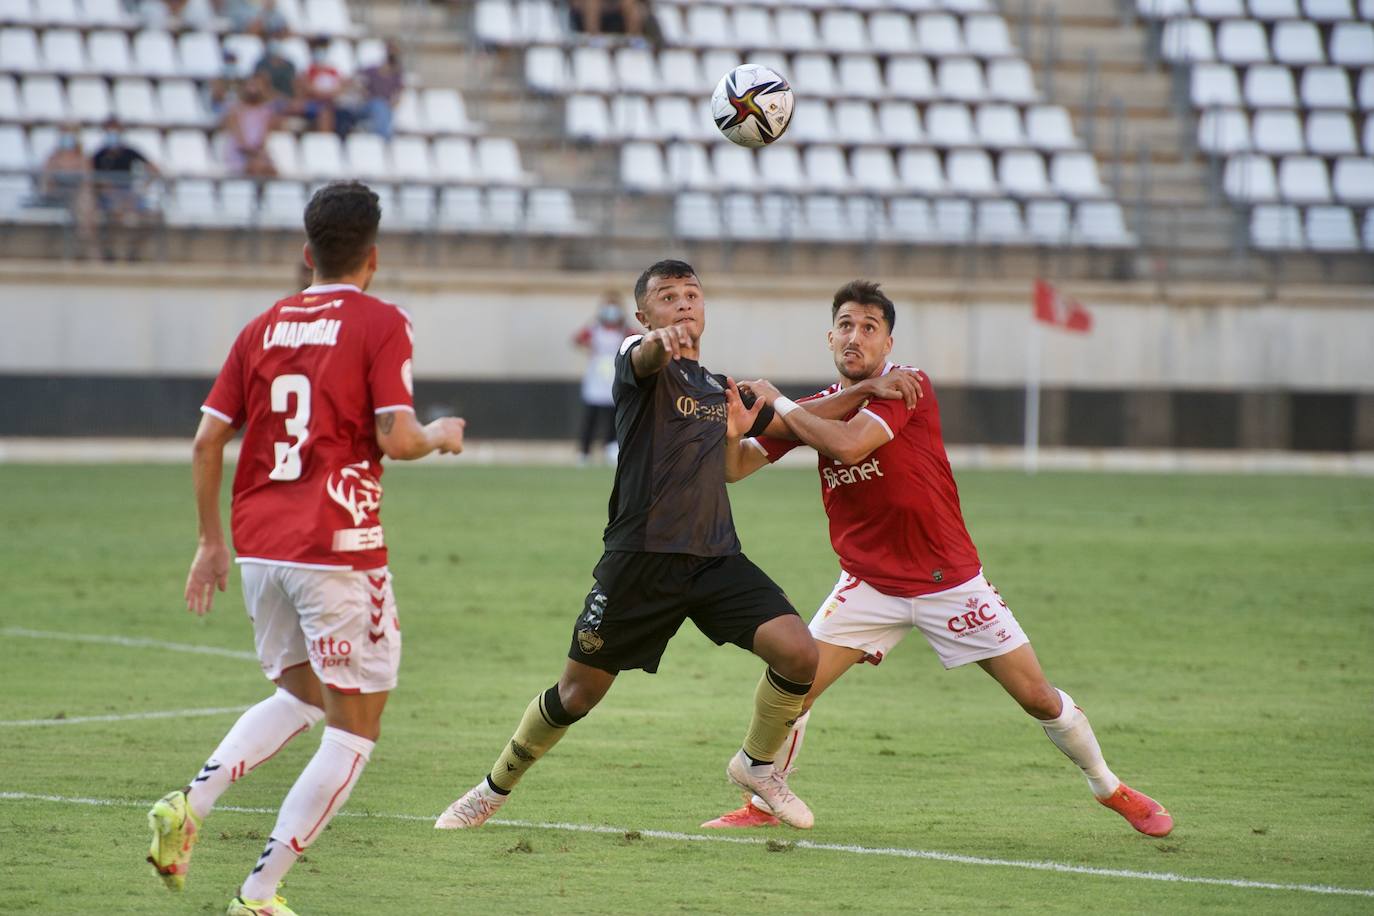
(128, 642)
(896, 852)
(126, 717)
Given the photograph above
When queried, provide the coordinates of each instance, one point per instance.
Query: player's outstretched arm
(401, 436)
(210, 567)
(741, 460)
(902, 384)
(847, 441)
(658, 348)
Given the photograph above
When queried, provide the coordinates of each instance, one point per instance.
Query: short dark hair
(341, 226)
(864, 292)
(667, 269)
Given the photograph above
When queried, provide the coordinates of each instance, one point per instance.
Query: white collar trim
(330, 288)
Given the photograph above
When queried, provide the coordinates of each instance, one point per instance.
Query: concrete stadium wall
(125, 351)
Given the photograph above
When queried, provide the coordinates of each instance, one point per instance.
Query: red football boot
(748, 816)
(1140, 811)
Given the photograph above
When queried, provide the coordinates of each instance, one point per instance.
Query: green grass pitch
(1218, 630)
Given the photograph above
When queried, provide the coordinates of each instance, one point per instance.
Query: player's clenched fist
(739, 417)
(447, 433)
(904, 384)
(762, 389)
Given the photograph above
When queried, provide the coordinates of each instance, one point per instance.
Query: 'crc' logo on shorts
(332, 653)
(971, 620)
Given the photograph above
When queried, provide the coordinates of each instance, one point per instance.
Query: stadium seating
(1279, 87)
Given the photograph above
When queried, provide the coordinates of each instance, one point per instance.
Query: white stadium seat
(327, 17)
(899, 123)
(1275, 9)
(64, 51)
(1366, 95)
(860, 124)
(784, 172)
(1369, 225)
(542, 22)
(859, 76)
(14, 149)
(823, 217)
(754, 27)
(953, 220)
(370, 52)
(43, 99)
(238, 201)
(909, 78)
(937, 35)
(961, 79)
(188, 153)
(9, 99)
(415, 207)
(200, 54)
(247, 51)
(586, 117)
(1297, 43)
(367, 156)
(17, 11)
(707, 27)
(108, 53)
(1162, 9)
(321, 156)
(635, 69)
(1303, 179)
(407, 118)
(1219, 9)
(1326, 87)
(679, 71)
(1049, 127)
(670, 24)
(873, 170)
(1276, 227)
(444, 111)
(1353, 180)
(181, 104)
(632, 118)
(592, 71)
(910, 220)
(843, 31)
(999, 126)
(1277, 132)
(339, 55)
(1022, 174)
(284, 151)
(498, 161)
(1048, 221)
(546, 70)
(1242, 41)
(1101, 224)
(282, 204)
(109, 13)
(19, 51)
(1270, 86)
(796, 29)
(1250, 177)
(1331, 133)
(148, 141)
(998, 222)
(970, 173)
(550, 211)
(155, 55)
(949, 124)
(1331, 229)
(987, 36)
(1074, 175)
(453, 160)
(826, 168)
(1327, 10)
(1187, 40)
(734, 166)
(812, 123)
(411, 160)
(1221, 131)
(920, 170)
(716, 63)
(1010, 80)
(57, 12)
(88, 99)
(1368, 135)
(460, 208)
(891, 33)
(193, 202)
(680, 118)
(504, 208)
(814, 74)
(1214, 84)
(1352, 44)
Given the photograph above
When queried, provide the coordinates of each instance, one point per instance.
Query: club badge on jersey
(360, 494)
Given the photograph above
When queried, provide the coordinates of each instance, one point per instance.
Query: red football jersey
(308, 377)
(894, 517)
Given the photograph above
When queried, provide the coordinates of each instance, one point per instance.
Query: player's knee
(576, 700)
(801, 660)
(1042, 703)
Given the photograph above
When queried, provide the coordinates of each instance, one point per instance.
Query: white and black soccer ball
(752, 105)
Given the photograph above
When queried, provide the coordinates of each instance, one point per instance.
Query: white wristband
(783, 406)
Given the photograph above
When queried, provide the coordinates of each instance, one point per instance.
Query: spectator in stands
(320, 88)
(382, 87)
(248, 122)
(121, 177)
(601, 339)
(223, 91)
(66, 182)
(591, 16)
(278, 70)
(258, 17)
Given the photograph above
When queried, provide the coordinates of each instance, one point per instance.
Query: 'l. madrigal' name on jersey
(322, 332)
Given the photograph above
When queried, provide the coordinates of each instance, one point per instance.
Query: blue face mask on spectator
(113, 137)
(66, 141)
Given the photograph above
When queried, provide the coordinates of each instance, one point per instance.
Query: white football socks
(320, 791)
(259, 733)
(1072, 734)
(787, 754)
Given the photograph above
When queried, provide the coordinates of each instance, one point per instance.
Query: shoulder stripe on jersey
(630, 341)
(206, 408)
(393, 408)
(890, 437)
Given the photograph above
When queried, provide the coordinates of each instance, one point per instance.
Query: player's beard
(853, 375)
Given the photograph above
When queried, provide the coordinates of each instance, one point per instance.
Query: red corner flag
(1060, 311)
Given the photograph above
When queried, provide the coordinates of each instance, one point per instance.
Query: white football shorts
(966, 623)
(343, 622)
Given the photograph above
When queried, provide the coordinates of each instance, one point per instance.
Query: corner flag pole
(1032, 450)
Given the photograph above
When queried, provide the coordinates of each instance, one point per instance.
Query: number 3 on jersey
(288, 454)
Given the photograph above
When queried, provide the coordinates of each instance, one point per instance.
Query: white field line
(129, 642)
(126, 717)
(891, 851)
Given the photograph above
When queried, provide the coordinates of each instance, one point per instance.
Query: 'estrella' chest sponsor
(321, 332)
(839, 477)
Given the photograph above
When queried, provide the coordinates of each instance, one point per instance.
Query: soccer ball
(752, 105)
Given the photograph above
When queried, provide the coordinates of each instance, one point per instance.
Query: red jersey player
(320, 383)
(906, 559)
